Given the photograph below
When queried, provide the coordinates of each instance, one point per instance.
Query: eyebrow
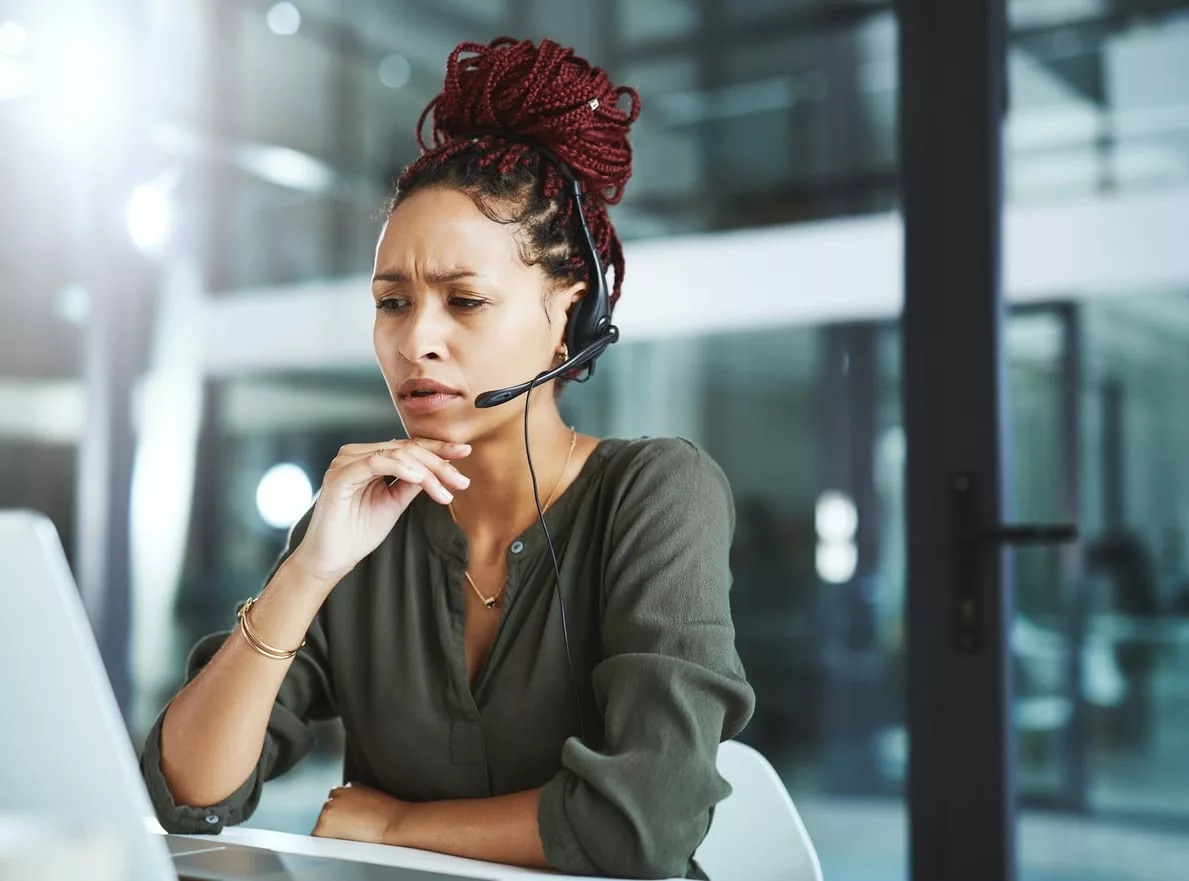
(431, 277)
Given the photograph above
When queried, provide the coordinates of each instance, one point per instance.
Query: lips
(420, 397)
(424, 388)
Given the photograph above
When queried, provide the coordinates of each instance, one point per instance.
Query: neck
(499, 503)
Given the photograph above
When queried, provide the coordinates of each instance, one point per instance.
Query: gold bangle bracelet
(256, 642)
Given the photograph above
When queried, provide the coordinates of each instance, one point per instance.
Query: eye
(466, 304)
(392, 304)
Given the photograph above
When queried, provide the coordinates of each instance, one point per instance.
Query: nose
(424, 337)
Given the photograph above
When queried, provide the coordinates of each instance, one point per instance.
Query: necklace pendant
(489, 602)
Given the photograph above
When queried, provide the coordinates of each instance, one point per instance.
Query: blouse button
(517, 547)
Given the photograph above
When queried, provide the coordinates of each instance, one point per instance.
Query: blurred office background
(190, 190)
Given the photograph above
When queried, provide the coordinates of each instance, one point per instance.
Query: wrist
(312, 577)
(397, 825)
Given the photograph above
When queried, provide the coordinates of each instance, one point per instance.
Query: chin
(438, 426)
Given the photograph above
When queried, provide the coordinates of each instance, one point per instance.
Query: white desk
(377, 854)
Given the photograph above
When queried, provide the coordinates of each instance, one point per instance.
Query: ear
(573, 294)
(564, 299)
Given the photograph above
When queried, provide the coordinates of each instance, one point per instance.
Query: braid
(552, 96)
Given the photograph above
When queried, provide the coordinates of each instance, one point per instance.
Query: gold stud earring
(563, 354)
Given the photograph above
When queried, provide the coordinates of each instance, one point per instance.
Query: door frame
(961, 781)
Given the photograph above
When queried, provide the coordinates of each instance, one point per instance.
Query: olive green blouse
(642, 537)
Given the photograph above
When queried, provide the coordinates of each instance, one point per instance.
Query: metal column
(961, 774)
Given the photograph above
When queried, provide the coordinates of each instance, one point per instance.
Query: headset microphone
(574, 362)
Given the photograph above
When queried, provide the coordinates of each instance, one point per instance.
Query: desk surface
(378, 854)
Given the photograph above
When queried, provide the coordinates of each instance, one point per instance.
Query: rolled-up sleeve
(671, 686)
(306, 695)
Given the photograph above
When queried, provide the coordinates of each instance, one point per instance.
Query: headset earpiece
(590, 325)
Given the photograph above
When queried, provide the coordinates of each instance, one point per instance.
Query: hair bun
(544, 92)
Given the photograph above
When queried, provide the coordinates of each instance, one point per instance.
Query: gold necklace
(491, 600)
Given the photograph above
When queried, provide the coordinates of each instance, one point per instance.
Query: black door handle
(970, 537)
(1030, 535)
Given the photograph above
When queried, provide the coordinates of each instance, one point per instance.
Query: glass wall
(1136, 427)
(1100, 98)
(751, 119)
(1100, 635)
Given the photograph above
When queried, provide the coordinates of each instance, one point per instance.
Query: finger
(447, 477)
(446, 449)
(349, 479)
(410, 452)
(365, 469)
(402, 493)
(432, 483)
(445, 472)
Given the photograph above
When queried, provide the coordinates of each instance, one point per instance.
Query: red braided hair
(550, 95)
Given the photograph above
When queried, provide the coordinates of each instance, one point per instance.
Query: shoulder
(671, 456)
(652, 473)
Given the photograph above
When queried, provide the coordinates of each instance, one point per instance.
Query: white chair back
(756, 834)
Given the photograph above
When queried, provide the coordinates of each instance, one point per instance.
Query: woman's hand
(364, 492)
(359, 813)
(502, 829)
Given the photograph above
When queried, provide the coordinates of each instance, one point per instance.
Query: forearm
(502, 829)
(213, 731)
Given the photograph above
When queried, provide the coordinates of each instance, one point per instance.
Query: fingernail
(446, 495)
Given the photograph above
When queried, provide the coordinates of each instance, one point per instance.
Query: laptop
(65, 754)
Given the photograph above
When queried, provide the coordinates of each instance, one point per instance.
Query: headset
(588, 334)
(590, 330)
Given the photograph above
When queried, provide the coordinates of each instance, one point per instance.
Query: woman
(420, 588)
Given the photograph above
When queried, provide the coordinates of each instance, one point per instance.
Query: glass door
(1099, 636)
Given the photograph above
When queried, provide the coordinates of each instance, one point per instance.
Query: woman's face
(459, 313)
